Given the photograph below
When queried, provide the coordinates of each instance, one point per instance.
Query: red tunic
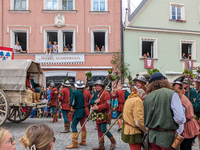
(87, 98)
(64, 99)
(54, 97)
(104, 104)
(121, 99)
(191, 127)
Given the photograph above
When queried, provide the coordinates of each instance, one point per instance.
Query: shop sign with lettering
(60, 59)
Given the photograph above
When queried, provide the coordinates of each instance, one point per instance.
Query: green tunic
(78, 103)
(94, 98)
(70, 89)
(158, 114)
(126, 95)
(193, 94)
(196, 105)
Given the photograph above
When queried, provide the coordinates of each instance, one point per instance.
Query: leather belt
(128, 124)
(159, 129)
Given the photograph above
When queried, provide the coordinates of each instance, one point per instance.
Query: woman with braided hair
(38, 137)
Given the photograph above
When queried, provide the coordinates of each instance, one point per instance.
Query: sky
(134, 4)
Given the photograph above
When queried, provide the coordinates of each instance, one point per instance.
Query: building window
(148, 48)
(53, 37)
(177, 12)
(67, 41)
(66, 36)
(52, 4)
(20, 4)
(20, 42)
(99, 5)
(188, 49)
(67, 4)
(99, 41)
(59, 4)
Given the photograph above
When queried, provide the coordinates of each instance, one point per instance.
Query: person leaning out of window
(55, 47)
(18, 48)
(38, 137)
(49, 48)
(7, 142)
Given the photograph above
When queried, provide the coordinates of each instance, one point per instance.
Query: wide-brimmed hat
(108, 89)
(156, 76)
(67, 83)
(52, 84)
(31, 75)
(99, 82)
(79, 84)
(125, 86)
(185, 81)
(141, 78)
(177, 82)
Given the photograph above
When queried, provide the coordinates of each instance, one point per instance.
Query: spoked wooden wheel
(3, 107)
(18, 114)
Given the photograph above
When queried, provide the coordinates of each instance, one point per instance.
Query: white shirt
(30, 84)
(18, 47)
(178, 111)
(44, 100)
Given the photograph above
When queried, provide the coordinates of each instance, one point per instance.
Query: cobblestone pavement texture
(64, 139)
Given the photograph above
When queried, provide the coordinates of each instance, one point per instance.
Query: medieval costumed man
(140, 82)
(191, 127)
(122, 95)
(64, 99)
(87, 97)
(102, 106)
(33, 87)
(193, 93)
(54, 101)
(133, 120)
(178, 85)
(163, 104)
(78, 104)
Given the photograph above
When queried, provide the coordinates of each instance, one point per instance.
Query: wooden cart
(13, 105)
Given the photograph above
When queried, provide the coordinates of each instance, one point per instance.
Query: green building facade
(166, 30)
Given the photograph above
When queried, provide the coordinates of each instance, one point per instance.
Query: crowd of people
(166, 114)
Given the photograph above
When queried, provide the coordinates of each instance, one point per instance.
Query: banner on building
(188, 64)
(6, 53)
(148, 63)
(56, 59)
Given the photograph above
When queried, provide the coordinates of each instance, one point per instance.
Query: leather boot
(54, 119)
(113, 143)
(83, 138)
(66, 128)
(101, 145)
(119, 124)
(74, 141)
(38, 97)
(34, 98)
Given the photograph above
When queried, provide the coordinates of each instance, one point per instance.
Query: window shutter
(183, 12)
(170, 11)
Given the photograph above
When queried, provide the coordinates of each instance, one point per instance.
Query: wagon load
(16, 100)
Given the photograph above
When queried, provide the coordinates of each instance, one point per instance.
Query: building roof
(137, 10)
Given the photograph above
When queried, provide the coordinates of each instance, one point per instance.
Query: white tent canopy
(13, 73)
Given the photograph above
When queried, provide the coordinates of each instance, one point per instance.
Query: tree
(121, 68)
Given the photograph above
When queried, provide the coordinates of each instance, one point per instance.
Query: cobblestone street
(63, 140)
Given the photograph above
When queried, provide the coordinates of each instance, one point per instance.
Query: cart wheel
(17, 114)
(3, 107)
